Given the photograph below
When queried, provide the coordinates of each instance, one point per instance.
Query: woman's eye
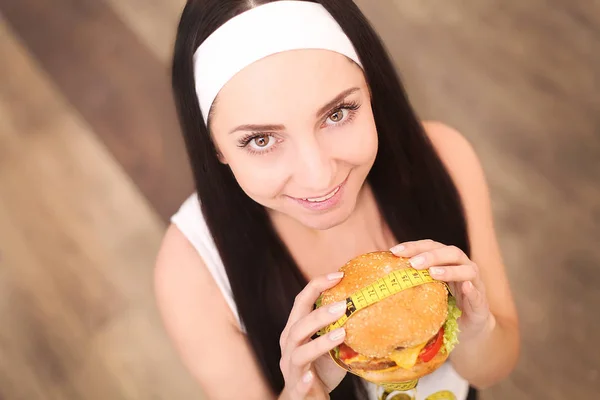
(262, 142)
(338, 116)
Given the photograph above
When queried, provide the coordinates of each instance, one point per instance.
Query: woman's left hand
(450, 264)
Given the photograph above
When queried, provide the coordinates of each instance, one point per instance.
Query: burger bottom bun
(403, 375)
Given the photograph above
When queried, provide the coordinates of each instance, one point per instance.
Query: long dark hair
(413, 189)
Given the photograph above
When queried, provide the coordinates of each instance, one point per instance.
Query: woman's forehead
(297, 80)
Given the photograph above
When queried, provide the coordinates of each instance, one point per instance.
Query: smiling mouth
(323, 198)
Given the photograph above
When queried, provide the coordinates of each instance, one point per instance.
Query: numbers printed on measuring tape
(382, 288)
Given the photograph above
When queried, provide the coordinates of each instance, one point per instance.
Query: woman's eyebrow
(258, 128)
(335, 100)
(279, 127)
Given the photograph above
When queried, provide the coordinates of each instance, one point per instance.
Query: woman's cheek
(259, 179)
(358, 145)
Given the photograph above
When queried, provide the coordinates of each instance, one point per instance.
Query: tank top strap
(190, 221)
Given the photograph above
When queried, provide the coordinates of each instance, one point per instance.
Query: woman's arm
(488, 357)
(201, 325)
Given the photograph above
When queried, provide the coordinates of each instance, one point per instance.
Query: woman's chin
(322, 224)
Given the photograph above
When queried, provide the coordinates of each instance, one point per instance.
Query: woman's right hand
(307, 368)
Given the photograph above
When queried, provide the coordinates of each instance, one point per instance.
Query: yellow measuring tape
(396, 395)
(382, 288)
(401, 386)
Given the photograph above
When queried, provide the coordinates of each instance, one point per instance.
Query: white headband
(259, 32)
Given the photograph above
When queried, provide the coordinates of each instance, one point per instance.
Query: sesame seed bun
(405, 319)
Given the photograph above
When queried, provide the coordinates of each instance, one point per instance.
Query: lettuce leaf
(451, 325)
(319, 301)
(336, 351)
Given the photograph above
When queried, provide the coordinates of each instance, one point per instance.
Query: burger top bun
(405, 319)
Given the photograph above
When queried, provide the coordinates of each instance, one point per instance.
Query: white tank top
(190, 221)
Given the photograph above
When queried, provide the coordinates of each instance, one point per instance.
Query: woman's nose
(315, 169)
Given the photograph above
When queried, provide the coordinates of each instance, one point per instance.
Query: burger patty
(373, 365)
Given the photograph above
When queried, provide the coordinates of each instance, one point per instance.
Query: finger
(456, 291)
(306, 327)
(303, 303)
(446, 255)
(475, 303)
(302, 387)
(458, 274)
(453, 273)
(309, 352)
(301, 357)
(410, 249)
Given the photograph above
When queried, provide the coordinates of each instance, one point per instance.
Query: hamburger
(400, 338)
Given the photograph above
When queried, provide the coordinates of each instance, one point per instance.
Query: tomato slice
(432, 347)
(346, 352)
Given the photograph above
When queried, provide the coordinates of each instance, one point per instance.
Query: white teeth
(326, 197)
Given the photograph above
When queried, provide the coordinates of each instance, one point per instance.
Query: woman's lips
(325, 202)
(323, 198)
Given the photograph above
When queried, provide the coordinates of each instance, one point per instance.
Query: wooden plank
(77, 245)
(153, 21)
(120, 88)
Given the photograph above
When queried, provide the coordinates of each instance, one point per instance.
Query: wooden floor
(92, 165)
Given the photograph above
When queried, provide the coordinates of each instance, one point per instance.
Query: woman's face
(297, 130)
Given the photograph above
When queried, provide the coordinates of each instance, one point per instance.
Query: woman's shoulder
(200, 324)
(179, 270)
(183, 277)
(454, 149)
(459, 157)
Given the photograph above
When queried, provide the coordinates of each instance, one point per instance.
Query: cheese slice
(357, 358)
(407, 358)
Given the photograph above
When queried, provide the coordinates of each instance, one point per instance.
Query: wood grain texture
(77, 246)
(86, 120)
(116, 83)
(154, 22)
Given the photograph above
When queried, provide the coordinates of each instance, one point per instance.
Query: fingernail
(417, 261)
(335, 275)
(436, 271)
(398, 248)
(337, 334)
(469, 286)
(338, 307)
(307, 377)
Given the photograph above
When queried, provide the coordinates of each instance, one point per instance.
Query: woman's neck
(322, 251)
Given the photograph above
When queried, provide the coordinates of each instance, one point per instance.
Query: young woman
(306, 153)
